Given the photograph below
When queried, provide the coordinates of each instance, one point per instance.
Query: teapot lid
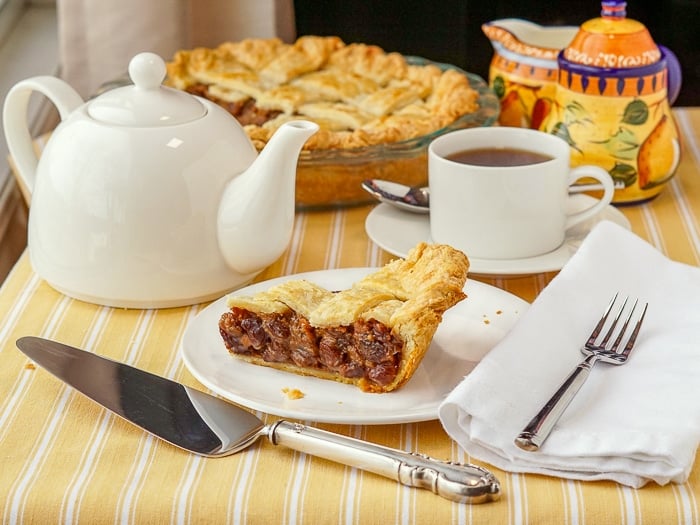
(613, 41)
(146, 103)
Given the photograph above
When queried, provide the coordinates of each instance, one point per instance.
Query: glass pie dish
(333, 177)
(329, 178)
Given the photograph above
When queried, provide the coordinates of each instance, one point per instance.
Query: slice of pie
(373, 334)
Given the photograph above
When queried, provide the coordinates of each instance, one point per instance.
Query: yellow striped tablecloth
(65, 459)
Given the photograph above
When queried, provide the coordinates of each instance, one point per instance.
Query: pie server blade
(209, 426)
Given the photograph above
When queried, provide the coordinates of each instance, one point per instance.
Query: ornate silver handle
(454, 481)
(539, 427)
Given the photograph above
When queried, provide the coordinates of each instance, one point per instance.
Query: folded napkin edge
(615, 243)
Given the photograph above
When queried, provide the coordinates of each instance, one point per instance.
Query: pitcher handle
(19, 139)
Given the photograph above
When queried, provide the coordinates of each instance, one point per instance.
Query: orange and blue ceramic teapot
(611, 101)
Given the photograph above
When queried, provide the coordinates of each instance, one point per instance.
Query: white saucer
(397, 232)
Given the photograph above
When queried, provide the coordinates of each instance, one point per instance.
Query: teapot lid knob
(147, 103)
(147, 70)
(613, 9)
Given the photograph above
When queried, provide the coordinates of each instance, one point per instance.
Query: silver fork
(537, 430)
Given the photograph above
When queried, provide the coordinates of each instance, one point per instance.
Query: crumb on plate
(292, 393)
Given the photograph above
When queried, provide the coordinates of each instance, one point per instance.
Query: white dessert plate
(397, 232)
(467, 332)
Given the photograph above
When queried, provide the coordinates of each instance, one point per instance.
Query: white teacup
(505, 212)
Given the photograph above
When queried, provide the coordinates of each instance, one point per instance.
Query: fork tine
(633, 337)
(610, 331)
(599, 326)
(614, 346)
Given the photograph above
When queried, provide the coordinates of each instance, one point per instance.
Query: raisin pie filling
(365, 349)
(373, 334)
(245, 110)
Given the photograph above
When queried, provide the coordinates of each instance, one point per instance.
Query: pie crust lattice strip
(359, 94)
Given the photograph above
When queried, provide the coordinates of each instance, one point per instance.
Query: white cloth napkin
(634, 423)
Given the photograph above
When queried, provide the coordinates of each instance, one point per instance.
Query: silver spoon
(410, 198)
(416, 199)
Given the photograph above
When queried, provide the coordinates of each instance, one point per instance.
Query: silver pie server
(209, 426)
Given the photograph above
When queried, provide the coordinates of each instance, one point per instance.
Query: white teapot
(148, 197)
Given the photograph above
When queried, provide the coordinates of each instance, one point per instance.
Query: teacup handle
(605, 180)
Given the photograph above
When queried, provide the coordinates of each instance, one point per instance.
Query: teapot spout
(256, 213)
(523, 39)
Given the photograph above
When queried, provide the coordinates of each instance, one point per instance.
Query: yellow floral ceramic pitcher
(612, 103)
(523, 71)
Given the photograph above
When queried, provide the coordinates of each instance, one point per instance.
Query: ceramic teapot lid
(613, 41)
(146, 103)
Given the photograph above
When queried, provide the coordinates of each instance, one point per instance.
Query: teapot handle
(19, 139)
(675, 76)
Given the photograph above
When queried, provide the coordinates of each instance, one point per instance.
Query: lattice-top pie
(373, 335)
(357, 93)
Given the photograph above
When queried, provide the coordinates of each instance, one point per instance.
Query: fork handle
(539, 427)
